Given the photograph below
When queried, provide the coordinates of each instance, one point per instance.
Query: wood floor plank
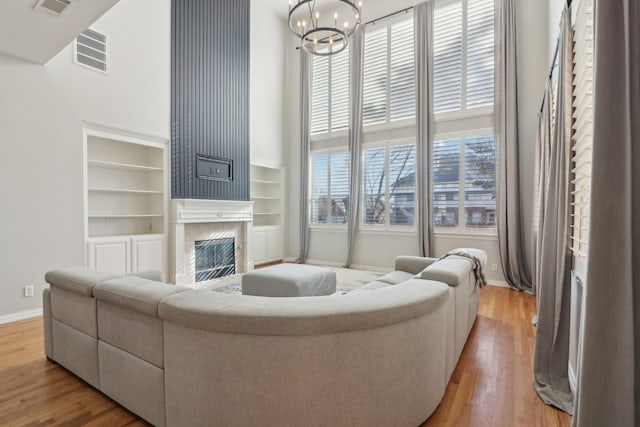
(491, 386)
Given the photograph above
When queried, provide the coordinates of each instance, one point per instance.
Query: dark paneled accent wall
(210, 99)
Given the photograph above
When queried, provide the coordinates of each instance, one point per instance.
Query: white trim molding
(21, 315)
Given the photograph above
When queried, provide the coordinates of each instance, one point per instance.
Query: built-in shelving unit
(268, 207)
(126, 201)
(266, 194)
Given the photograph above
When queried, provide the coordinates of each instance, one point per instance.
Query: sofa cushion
(75, 310)
(452, 270)
(80, 280)
(132, 331)
(136, 293)
(396, 277)
(243, 314)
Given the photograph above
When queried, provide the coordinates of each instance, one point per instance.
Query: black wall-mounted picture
(214, 168)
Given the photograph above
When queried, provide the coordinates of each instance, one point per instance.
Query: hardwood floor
(491, 386)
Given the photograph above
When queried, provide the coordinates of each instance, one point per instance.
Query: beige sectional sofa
(180, 357)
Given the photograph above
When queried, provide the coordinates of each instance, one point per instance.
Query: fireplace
(198, 226)
(215, 258)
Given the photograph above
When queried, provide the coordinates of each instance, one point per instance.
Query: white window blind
(389, 182)
(464, 180)
(480, 182)
(446, 182)
(447, 57)
(340, 91)
(320, 95)
(374, 186)
(375, 76)
(402, 184)
(330, 93)
(389, 73)
(329, 188)
(463, 55)
(582, 127)
(480, 53)
(403, 71)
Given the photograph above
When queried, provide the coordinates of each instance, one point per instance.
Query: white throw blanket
(479, 259)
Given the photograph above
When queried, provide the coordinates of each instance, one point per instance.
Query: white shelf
(123, 166)
(120, 190)
(265, 198)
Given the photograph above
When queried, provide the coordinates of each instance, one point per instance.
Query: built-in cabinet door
(110, 255)
(274, 242)
(260, 247)
(147, 253)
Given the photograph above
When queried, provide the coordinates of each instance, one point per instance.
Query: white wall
(41, 113)
(268, 38)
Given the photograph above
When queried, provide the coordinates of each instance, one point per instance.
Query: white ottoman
(289, 280)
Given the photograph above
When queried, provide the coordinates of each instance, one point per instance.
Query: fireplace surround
(202, 220)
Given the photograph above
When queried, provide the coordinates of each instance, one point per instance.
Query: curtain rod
(373, 21)
(555, 58)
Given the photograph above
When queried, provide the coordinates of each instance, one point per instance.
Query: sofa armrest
(451, 270)
(413, 264)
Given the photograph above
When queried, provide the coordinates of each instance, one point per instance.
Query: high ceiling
(35, 36)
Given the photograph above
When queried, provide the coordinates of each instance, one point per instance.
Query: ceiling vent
(91, 50)
(53, 7)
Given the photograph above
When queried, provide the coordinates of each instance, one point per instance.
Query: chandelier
(324, 26)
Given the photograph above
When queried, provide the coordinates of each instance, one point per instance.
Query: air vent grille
(53, 7)
(91, 50)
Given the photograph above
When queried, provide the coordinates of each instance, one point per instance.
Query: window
(389, 184)
(583, 128)
(463, 55)
(471, 192)
(389, 73)
(329, 188)
(330, 93)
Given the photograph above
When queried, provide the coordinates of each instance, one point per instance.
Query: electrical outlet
(28, 291)
(494, 267)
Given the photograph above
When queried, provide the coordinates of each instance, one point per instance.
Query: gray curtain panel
(554, 292)
(609, 388)
(508, 213)
(305, 141)
(356, 50)
(543, 148)
(423, 21)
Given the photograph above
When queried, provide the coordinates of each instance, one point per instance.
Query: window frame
(389, 124)
(461, 228)
(464, 112)
(330, 134)
(330, 151)
(387, 226)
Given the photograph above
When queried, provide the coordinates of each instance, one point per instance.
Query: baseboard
(498, 283)
(21, 315)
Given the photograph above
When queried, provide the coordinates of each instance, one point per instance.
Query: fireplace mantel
(216, 213)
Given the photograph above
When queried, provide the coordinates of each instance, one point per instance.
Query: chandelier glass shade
(324, 26)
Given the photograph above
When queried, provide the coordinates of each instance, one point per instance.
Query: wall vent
(91, 50)
(53, 7)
